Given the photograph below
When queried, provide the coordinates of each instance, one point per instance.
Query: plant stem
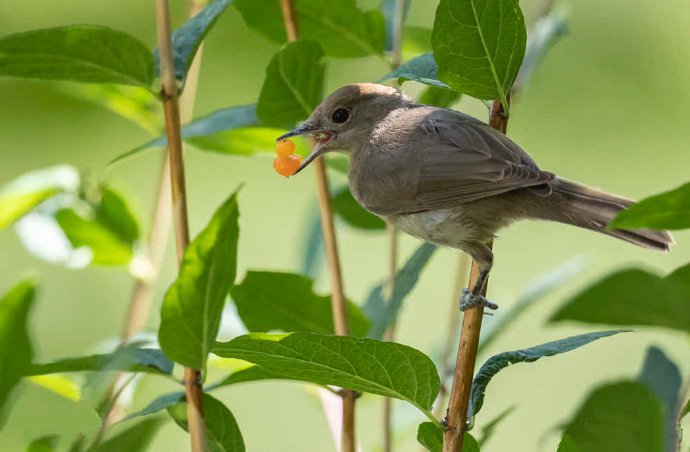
(141, 298)
(456, 416)
(192, 377)
(462, 268)
(338, 302)
(392, 233)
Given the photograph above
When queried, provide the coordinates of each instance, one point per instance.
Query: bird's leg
(471, 298)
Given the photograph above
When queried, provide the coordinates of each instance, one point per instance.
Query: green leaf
(114, 212)
(242, 372)
(342, 29)
(105, 246)
(127, 359)
(420, 69)
(24, 193)
(430, 436)
(293, 86)
(496, 363)
(624, 298)
(15, 343)
(245, 141)
(133, 103)
(46, 443)
(479, 45)
(382, 311)
(490, 427)
(439, 97)
(620, 416)
(187, 39)
(220, 120)
(158, 404)
(669, 210)
(222, 432)
(82, 53)
(135, 438)
(268, 301)
(567, 444)
(662, 377)
(349, 210)
(59, 384)
(367, 365)
(313, 254)
(191, 311)
(545, 284)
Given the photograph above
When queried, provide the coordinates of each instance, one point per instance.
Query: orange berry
(286, 166)
(285, 148)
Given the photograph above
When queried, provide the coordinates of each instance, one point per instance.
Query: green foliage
(46, 443)
(293, 86)
(367, 365)
(222, 432)
(619, 416)
(135, 438)
(127, 359)
(192, 308)
(479, 45)
(204, 129)
(420, 69)
(342, 29)
(663, 378)
(187, 39)
(26, 192)
(268, 301)
(382, 311)
(133, 103)
(82, 53)
(159, 403)
(416, 40)
(15, 343)
(430, 436)
(345, 206)
(58, 384)
(439, 97)
(669, 210)
(628, 294)
(108, 227)
(499, 362)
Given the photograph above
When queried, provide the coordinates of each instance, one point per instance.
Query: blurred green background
(608, 107)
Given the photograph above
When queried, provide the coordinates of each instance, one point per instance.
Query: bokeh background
(607, 107)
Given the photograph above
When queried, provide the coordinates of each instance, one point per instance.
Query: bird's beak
(320, 138)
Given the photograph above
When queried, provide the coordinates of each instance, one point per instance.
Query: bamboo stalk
(192, 377)
(338, 302)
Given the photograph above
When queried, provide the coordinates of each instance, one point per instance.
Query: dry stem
(338, 302)
(192, 377)
(456, 416)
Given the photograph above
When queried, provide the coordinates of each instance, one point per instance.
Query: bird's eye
(340, 115)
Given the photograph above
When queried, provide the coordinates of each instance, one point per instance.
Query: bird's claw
(469, 300)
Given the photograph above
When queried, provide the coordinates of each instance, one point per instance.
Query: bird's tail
(593, 209)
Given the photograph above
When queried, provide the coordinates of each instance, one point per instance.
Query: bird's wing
(464, 160)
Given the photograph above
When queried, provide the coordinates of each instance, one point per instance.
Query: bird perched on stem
(449, 178)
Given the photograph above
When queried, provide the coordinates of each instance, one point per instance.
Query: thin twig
(142, 294)
(338, 302)
(392, 233)
(462, 268)
(192, 377)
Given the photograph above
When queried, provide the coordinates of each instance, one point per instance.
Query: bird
(449, 178)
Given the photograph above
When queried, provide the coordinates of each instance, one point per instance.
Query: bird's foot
(469, 300)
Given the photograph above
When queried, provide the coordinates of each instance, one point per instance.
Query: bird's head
(346, 118)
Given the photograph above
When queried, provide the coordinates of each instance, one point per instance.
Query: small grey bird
(449, 178)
